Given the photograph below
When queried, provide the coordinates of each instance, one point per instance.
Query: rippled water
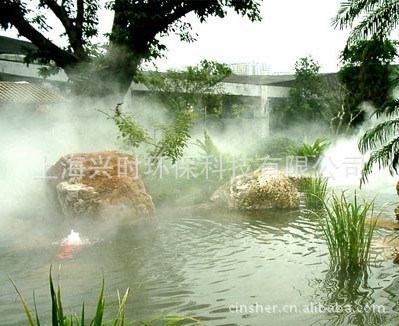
(200, 265)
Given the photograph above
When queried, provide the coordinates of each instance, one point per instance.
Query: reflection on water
(348, 297)
(198, 264)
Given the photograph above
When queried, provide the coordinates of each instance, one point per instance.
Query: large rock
(259, 190)
(100, 184)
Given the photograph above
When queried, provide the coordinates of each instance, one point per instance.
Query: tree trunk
(111, 81)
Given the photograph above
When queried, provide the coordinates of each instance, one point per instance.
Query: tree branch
(49, 50)
(72, 30)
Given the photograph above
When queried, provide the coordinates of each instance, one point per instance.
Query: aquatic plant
(315, 190)
(58, 318)
(347, 233)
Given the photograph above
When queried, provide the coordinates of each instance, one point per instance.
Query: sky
(289, 30)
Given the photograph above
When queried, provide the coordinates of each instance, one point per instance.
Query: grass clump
(315, 191)
(348, 235)
(58, 318)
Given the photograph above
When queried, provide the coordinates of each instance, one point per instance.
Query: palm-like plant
(376, 19)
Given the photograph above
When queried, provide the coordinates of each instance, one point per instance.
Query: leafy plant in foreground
(58, 318)
(348, 235)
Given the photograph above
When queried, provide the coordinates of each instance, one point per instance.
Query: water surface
(199, 264)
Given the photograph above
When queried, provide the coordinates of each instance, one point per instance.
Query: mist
(31, 142)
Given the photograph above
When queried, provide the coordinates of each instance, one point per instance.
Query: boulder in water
(99, 184)
(260, 190)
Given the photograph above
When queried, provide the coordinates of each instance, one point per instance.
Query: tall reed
(348, 235)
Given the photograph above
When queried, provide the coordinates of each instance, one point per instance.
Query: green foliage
(311, 151)
(208, 145)
(370, 18)
(182, 94)
(372, 52)
(275, 147)
(315, 191)
(135, 35)
(384, 144)
(370, 49)
(348, 235)
(58, 318)
(175, 138)
(196, 88)
(306, 93)
(130, 132)
(367, 75)
(312, 98)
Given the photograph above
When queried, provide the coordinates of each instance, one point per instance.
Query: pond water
(200, 264)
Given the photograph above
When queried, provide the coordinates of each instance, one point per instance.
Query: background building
(250, 69)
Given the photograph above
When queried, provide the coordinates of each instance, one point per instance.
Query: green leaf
(36, 312)
(98, 317)
(54, 303)
(26, 309)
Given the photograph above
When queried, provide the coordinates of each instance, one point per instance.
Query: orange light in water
(68, 251)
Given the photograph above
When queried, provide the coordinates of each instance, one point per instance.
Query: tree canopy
(312, 98)
(196, 88)
(137, 29)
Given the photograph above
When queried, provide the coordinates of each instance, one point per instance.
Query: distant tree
(306, 94)
(312, 97)
(196, 89)
(135, 36)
